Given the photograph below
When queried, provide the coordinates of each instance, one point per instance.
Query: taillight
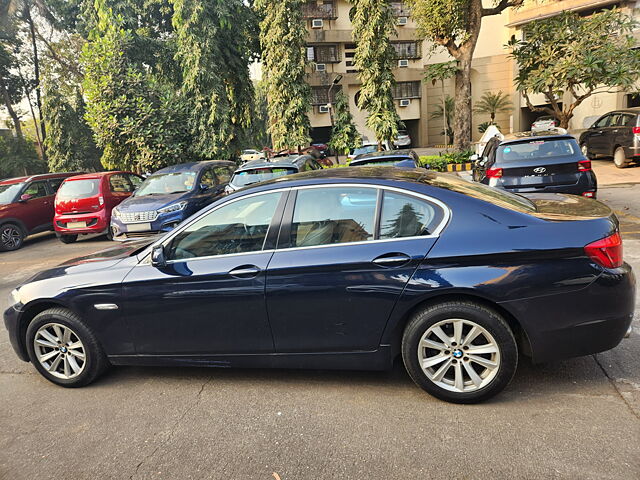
(636, 130)
(584, 165)
(606, 252)
(589, 194)
(494, 173)
(101, 200)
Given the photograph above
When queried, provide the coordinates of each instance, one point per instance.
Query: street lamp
(330, 106)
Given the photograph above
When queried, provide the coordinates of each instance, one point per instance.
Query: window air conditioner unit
(321, 67)
(405, 102)
(317, 23)
(323, 108)
(403, 20)
(403, 63)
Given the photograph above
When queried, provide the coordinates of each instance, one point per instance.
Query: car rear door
(622, 132)
(345, 254)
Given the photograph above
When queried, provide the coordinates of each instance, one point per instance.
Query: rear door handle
(392, 260)
(245, 271)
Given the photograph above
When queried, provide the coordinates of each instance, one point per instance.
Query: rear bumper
(97, 222)
(585, 182)
(583, 322)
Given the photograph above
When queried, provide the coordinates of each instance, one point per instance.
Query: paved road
(573, 419)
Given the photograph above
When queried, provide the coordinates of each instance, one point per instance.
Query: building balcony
(326, 11)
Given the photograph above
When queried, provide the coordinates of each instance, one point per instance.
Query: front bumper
(11, 323)
(165, 222)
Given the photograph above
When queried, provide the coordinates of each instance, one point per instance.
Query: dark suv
(26, 207)
(616, 134)
(525, 163)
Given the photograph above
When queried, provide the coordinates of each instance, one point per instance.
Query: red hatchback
(26, 207)
(84, 203)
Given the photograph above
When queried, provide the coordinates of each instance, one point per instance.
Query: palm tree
(446, 107)
(492, 103)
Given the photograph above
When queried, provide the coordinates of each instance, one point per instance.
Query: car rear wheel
(620, 158)
(68, 238)
(11, 237)
(460, 352)
(63, 349)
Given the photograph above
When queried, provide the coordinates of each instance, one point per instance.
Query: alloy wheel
(585, 150)
(59, 350)
(11, 237)
(459, 355)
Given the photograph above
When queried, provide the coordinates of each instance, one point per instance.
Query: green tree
(70, 144)
(257, 135)
(455, 26)
(582, 56)
(10, 87)
(442, 72)
(492, 103)
(18, 157)
(373, 25)
(344, 134)
(445, 111)
(214, 48)
(283, 39)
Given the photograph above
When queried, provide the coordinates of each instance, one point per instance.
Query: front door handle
(245, 271)
(392, 260)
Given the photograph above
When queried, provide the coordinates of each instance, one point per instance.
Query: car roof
(93, 175)
(386, 155)
(527, 136)
(192, 166)
(266, 164)
(43, 176)
(634, 110)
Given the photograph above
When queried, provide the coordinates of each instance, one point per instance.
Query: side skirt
(380, 359)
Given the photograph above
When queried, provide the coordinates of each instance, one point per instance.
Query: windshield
(165, 183)
(8, 192)
(247, 177)
(365, 149)
(536, 149)
(79, 189)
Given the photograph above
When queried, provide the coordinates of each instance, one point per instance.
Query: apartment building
(330, 51)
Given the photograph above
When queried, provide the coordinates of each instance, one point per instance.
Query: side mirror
(158, 258)
(204, 187)
(474, 158)
(24, 197)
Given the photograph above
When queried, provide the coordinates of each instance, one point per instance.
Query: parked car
(533, 164)
(261, 170)
(343, 268)
(396, 158)
(323, 149)
(249, 155)
(546, 123)
(616, 134)
(366, 147)
(84, 203)
(26, 207)
(403, 140)
(169, 196)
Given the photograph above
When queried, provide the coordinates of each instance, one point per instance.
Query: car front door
(344, 256)
(209, 298)
(596, 136)
(37, 209)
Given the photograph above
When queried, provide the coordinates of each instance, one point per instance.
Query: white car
(366, 147)
(403, 140)
(249, 155)
(545, 124)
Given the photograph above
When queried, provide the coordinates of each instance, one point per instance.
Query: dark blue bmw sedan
(343, 268)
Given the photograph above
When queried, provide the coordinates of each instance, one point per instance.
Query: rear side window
(407, 216)
(79, 188)
(223, 174)
(325, 216)
(55, 183)
(534, 149)
(120, 184)
(628, 121)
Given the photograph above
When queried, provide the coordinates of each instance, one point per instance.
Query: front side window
(237, 227)
(603, 122)
(406, 216)
(36, 190)
(208, 178)
(135, 180)
(332, 215)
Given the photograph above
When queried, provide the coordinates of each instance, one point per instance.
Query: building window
(406, 90)
(323, 54)
(320, 95)
(314, 9)
(407, 50)
(400, 9)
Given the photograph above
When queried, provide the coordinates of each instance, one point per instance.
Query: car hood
(151, 202)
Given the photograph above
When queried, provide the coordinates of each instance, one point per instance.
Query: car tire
(68, 238)
(449, 370)
(79, 359)
(584, 148)
(11, 237)
(620, 158)
(109, 233)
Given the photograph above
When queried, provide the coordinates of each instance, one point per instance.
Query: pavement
(575, 419)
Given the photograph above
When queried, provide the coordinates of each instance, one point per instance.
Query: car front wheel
(11, 237)
(68, 238)
(460, 352)
(63, 349)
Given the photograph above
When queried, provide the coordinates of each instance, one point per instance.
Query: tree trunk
(12, 112)
(462, 111)
(36, 74)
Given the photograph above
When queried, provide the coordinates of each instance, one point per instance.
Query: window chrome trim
(446, 218)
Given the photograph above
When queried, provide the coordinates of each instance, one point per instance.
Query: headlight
(15, 297)
(176, 207)
(115, 213)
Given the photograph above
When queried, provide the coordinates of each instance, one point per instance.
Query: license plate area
(77, 225)
(138, 227)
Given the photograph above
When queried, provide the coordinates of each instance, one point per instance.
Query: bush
(439, 162)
